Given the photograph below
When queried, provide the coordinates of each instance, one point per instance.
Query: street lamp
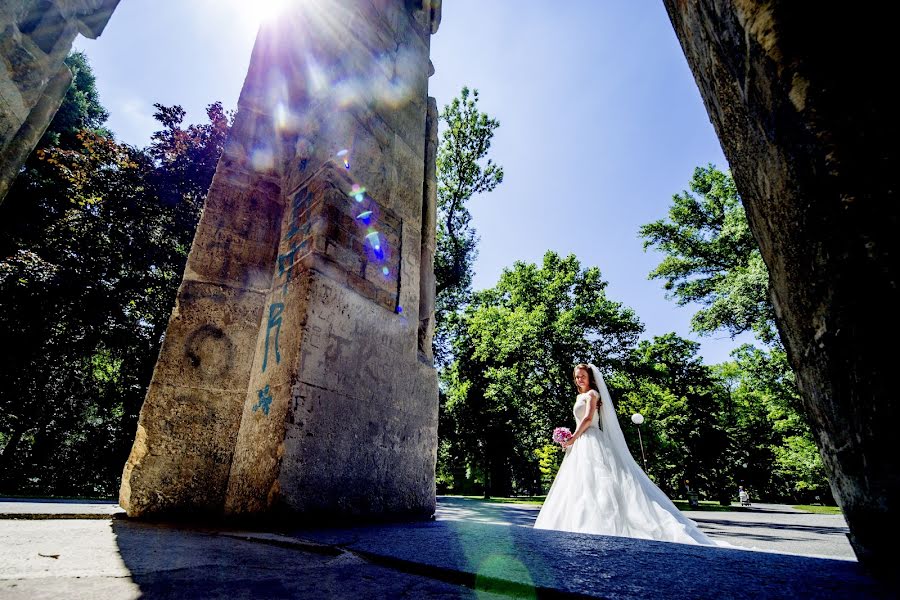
(637, 419)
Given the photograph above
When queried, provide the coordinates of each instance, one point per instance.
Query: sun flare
(253, 13)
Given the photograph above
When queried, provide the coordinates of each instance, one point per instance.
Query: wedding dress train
(600, 489)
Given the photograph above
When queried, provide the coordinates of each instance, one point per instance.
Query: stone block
(181, 457)
(251, 212)
(408, 168)
(211, 336)
(35, 37)
(226, 258)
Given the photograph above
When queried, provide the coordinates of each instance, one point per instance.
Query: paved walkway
(465, 553)
(768, 527)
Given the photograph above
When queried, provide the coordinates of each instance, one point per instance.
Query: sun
(253, 13)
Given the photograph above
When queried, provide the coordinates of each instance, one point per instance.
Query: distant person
(599, 487)
(743, 496)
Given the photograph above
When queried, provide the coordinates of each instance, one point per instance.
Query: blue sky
(600, 119)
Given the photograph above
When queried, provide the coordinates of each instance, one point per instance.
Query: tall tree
(774, 453)
(684, 403)
(463, 171)
(510, 381)
(712, 259)
(80, 109)
(88, 275)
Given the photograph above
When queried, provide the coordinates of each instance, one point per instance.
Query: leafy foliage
(510, 381)
(712, 258)
(95, 237)
(462, 173)
(682, 401)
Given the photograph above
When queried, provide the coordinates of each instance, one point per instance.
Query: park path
(471, 549)
(768, 527)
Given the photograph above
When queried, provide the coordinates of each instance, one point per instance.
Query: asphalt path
(473, 549)
(766, 527)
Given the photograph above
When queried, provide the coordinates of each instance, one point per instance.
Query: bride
(599, 488)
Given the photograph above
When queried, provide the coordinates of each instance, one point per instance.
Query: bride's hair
(590, 373)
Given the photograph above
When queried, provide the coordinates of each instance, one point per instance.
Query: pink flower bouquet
(561, 434)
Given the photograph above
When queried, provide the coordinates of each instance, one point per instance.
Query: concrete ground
(767, 527)
(466, 552)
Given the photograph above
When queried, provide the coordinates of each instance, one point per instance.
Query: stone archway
(797, 98)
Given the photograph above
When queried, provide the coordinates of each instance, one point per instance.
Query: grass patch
(39, 497)
(707, 505)
(537, 500)
(818, 509)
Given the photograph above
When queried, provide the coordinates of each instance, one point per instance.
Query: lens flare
(262, 159)
(357, 192)
(344, 155)
(386, 271)
(374, 240)
(269, 10)
(365, 217)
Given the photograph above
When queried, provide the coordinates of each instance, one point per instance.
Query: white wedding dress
(599, 490)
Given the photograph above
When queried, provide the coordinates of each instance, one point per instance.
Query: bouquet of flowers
(561, 434)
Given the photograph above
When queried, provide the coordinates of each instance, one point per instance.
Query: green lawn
(818, 509)
(681, 504)
(517, 500)
(708, 505)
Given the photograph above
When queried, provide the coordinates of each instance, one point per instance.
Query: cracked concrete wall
(35, 38)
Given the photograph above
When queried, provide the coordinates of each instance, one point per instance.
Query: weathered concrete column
(799, 98)
(427, 282)
(35, 38)
(189, 421)
(324, 406)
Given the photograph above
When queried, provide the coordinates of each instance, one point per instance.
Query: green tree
(684, 405)
(463, 171)
(774, 451)
(95, 237)
(712, 259)
(510, 381)
(80, 110)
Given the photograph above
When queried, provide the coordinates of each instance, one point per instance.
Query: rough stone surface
(427, 281)
(800, 102)
(35, 37)
(291, 379)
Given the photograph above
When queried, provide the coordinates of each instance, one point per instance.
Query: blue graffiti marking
(275, 311)
(265, 400)
(286, 264)
(301, 202)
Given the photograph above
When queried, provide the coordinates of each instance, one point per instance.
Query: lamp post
(637, 419)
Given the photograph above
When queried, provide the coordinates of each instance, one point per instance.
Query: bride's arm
(588, 417)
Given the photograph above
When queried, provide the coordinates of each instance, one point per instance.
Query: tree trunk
(797, 95)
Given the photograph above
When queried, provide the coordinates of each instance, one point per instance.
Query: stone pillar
(427, 282)
(35, 38)
(807, 119)
(324, 406)
(189, 421)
